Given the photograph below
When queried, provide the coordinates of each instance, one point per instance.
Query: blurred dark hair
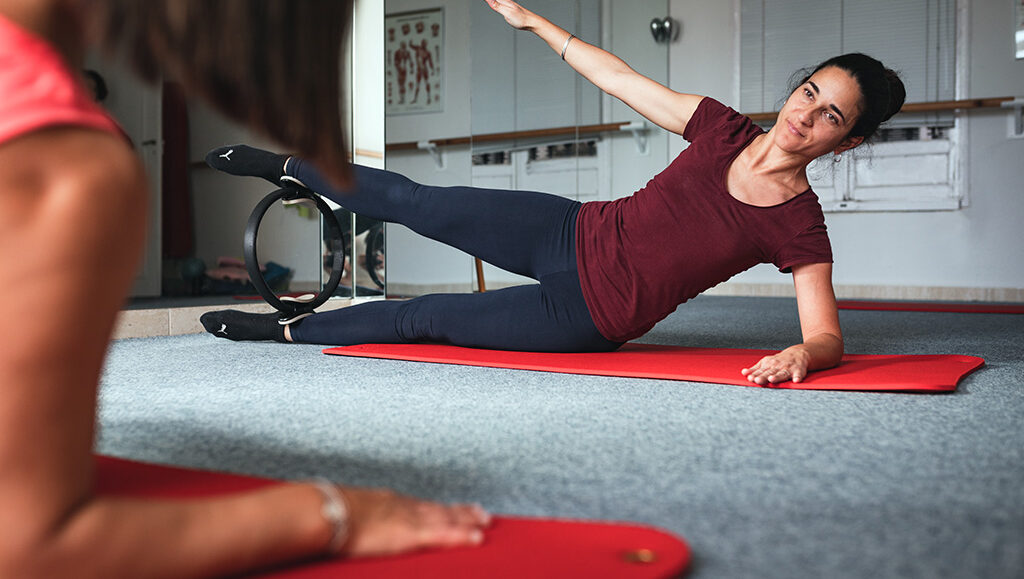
(882, 91)
(98, 85)
(274, 65)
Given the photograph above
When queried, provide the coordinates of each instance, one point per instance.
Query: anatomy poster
(414, 61)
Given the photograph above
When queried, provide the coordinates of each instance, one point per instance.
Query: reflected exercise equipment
(374, 240)
(292, 309)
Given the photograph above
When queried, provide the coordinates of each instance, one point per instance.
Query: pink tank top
(37, 89)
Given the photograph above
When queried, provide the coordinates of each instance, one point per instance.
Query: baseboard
(149, 323)
(860, 292)
(416, 289)
(145, 323)
(881, 292)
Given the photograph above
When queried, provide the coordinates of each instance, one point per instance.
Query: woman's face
(818, 116)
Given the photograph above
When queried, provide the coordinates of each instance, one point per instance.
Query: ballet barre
(637, 128)
(934, 106)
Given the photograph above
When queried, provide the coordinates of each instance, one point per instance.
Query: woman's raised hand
(382, 522)
(516, 16)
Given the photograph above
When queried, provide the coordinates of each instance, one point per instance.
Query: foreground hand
(789, 364)
(514, 14)
(382, 522)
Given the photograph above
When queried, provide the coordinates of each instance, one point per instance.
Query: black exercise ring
(291, 310)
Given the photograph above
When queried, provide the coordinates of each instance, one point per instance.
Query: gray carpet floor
(760, 482)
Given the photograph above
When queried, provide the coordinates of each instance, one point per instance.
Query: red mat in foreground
(973, 308)
(918, 373)
(514, 547)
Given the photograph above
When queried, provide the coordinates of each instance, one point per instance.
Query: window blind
(917, 38)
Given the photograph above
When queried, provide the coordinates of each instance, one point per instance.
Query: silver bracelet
(566, 45)
(335, 511)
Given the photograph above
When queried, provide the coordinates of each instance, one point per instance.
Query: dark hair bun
(897, 93)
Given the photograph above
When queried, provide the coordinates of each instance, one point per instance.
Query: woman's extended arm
(664, 107)
(819, 323)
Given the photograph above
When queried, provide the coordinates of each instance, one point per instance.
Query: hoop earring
(838, 157)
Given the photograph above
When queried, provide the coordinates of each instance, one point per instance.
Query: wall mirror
(503, 111)
(464, 100)
(198, 215)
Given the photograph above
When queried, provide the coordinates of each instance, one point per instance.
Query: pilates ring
(293, 310)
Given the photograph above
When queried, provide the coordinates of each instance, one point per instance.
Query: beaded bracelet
(335, 510)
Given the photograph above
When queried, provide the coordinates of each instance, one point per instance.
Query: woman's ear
(848, 143)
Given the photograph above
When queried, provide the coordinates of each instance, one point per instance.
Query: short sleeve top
(641, 256)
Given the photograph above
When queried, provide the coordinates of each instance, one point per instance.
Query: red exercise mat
(918, 373)
(974, 308)
(514, 547)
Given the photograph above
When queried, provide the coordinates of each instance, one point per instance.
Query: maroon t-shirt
(641, 256)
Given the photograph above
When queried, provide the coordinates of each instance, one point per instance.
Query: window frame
(836, 184)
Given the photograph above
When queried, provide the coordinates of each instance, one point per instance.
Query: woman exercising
(608, 271)
(72, 215)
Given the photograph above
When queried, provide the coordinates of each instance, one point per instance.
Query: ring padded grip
(252, 264)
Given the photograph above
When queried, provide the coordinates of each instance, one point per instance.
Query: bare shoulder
(69, 158)
(60, 180)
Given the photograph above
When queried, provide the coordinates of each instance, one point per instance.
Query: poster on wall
(414, 58)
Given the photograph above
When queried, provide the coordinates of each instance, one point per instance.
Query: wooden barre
(925, 107)
(532, 134)
(929, 107)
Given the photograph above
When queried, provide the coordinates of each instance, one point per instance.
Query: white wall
(972, 253)
(413, 260)
(222, 204)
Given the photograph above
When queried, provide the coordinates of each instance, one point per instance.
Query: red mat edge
(974, 363)
(938, 307)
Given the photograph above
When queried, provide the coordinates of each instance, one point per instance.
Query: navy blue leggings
(531, 234)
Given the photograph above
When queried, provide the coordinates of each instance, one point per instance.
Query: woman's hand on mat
(516, 16)
(382, 522)
(789, 364)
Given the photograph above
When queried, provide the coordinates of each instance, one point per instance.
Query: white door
(137, 107)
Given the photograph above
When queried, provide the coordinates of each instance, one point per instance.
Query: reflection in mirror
(564, 135)
(364, 246)
(198, 215)
(527, 110)
(512, 115)
(426, 65)
(363, 249)
(287, 237)
(137, 108)
(196, 250)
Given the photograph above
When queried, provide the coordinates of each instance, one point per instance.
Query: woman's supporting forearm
(193, 538)
(825, 351)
